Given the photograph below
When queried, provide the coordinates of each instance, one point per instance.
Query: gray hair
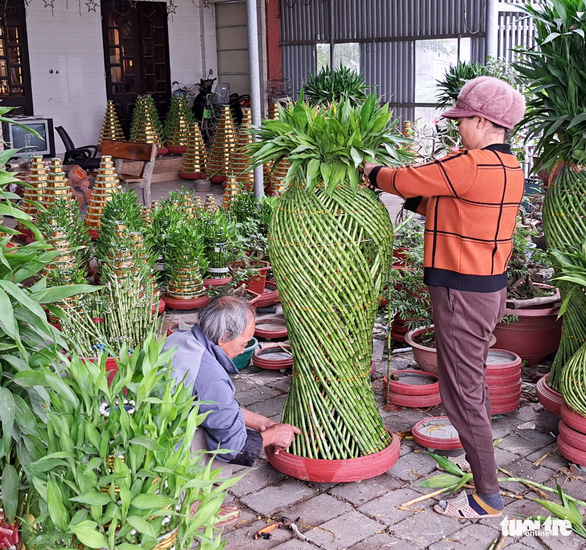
(225, 318)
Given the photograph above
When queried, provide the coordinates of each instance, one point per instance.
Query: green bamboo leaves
(328, 144)
(556, 74)
(330, 85)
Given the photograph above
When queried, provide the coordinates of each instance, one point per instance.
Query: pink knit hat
(490, 98)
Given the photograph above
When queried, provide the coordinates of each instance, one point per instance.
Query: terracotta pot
(426, 358)
(572, 419)
(398, 327)
(336, 471)
(550, 399)
(273, 357)
(570, 452)
(271, 328)
(192, 176)
(258, 282)
(421, 436)
(573, 437)
(192, 303)
(219, 281)
(270, 295)
(535, 335)
(412, 382)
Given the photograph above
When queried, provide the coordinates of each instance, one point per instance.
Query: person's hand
(367, 167)
(280, 436)
(256, 421)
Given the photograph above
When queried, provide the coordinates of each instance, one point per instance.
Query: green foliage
(566, 510)
(328, 145)
(184, 249)
(556, 72)
(334, 86)
(119, 472)
(458, 75)
(410, 298)
(145, 109)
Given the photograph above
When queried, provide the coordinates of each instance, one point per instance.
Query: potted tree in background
(555, 70)
(330, 245)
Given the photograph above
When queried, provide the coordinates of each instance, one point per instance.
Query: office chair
(82, 156)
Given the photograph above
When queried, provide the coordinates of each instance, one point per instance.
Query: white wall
(70, 45)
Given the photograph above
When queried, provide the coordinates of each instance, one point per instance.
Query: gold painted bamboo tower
(220, 156)
(178, 125)
(111, 127)
(230, 192)
(195, 158)
(107, 183)
(57, 185)
(240, 163)
(210, 204)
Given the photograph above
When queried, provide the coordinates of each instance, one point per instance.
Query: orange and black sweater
(470, 199)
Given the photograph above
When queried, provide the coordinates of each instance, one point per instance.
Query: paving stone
(317, 510)
(256, 394)
(413, 467)
(523, 468)
(526, 442)
(256, 479)
(360, 492)
(345, 531)
(283, 384)
(380, 541)
(424, 529)
(554, 461)
(386, 508)
(502, 457)
(278, 497)
(573, 487)
(271, 407)
(475, 535)
(242, 537)
(296, 544)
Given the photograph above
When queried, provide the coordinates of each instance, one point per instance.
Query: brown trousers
(464, 322)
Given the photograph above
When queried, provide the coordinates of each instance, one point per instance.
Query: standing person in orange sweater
(470, 199)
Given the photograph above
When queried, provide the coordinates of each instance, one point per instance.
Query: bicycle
(186, 91)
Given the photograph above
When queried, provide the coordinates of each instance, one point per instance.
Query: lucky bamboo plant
(330, 245)
(119, 473)
(335, 85)
(555, 69)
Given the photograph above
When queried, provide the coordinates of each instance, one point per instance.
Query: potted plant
(555, 115)
(119, 473)
(531, 327)
(335, 85)
(330, 245)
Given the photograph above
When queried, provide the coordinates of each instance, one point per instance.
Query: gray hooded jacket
(206, 367)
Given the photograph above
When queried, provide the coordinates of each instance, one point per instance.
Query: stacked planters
(411, 388)
(503, 377)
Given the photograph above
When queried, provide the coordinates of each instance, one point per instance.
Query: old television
(19, 136)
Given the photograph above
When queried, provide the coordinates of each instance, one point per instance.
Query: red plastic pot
(505, 391)
(94, 234)
(218, 179)
(270, 295)
(573, 437)
(176, 149)
(192, 175)
(413, 382)
(336, 471)
(426, 358)
(218, 281)
(273, 357)
(573, 454)
(535, 335)
(413, 401)
(162, 151)
(502, 363)
(506, 406)
(573, 420)
(422, 437)
(550, 399)
(270, 328)
(192, 303)
(160, 307)
(258, 282)
(399, 328)
(503, 381)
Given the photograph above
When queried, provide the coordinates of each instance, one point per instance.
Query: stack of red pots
(572, 436)
(503, 376)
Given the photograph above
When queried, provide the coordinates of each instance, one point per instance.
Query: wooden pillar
(273, 39)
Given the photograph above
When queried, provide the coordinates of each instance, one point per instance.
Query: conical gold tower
(210, 205)
(57, 185)
(230, 192)
(275, 177)
(144, 127)
(111, 128)
(218, 165)
(107, 183)
(178, 125)
(37, 179)
(241, 158)
(194, 161)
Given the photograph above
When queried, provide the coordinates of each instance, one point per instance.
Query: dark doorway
(15, 80)
(136, 46)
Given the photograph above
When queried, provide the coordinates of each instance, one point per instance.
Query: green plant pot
(242, 361)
